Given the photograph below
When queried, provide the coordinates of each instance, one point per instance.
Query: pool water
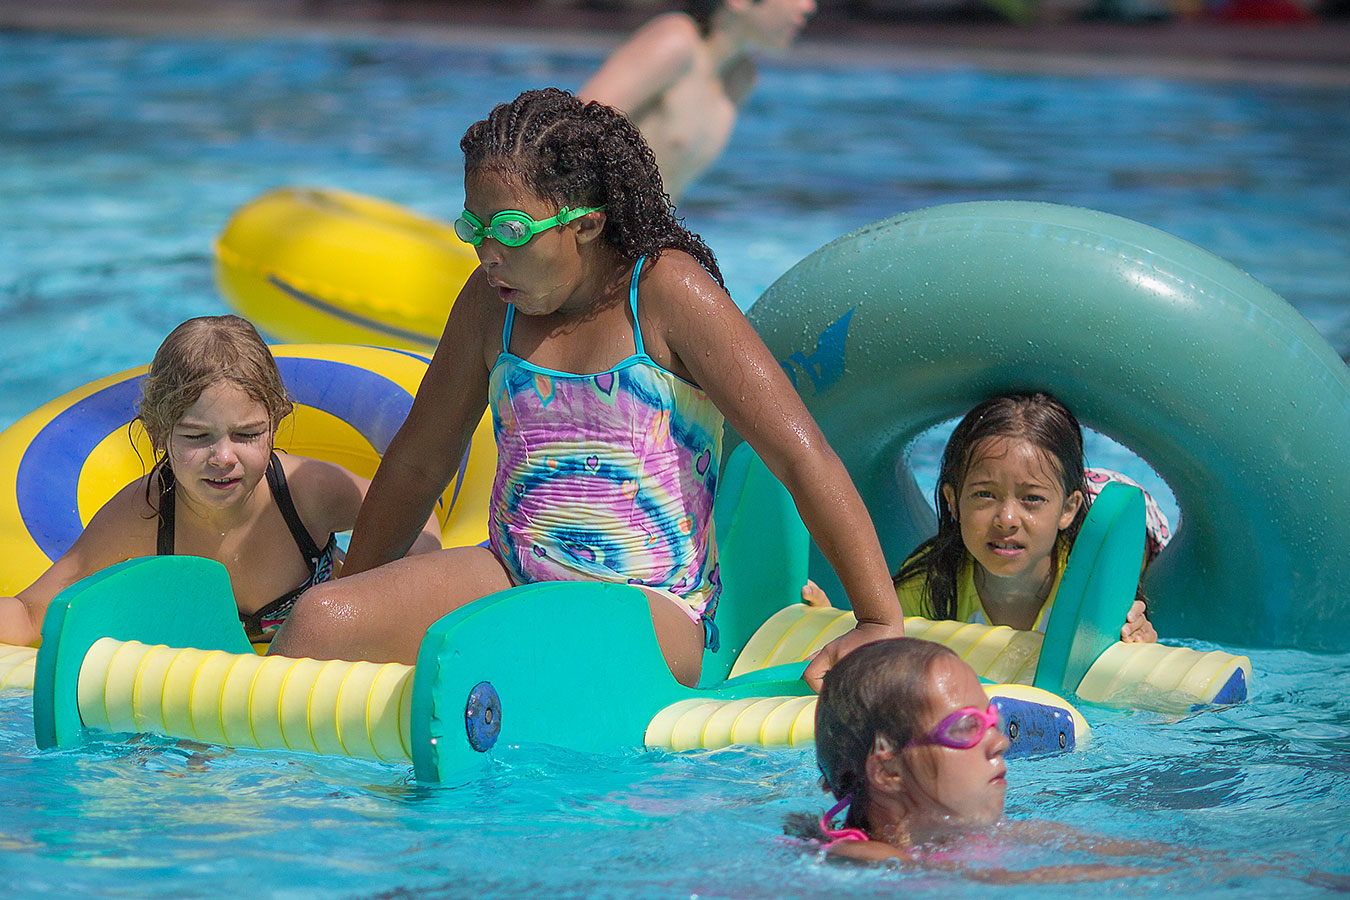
(120, 159)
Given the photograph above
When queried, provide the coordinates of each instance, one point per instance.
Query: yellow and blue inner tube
(61, 463)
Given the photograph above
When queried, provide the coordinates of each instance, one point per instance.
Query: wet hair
(702, 12)
(882, 688)
(579, 154)
(1037, 418)
(197, 354)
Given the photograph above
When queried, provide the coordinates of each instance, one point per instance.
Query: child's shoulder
(310, 473)
(127, 517)
(673, 29)
(677, 280)
(135, 499)
(323, 490)
(869, 851)
(675, 267)
(477, 312)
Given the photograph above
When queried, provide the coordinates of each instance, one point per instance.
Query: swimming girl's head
(202, 352)
(583, 156)
(882, 739)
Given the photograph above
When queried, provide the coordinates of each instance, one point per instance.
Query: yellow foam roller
(791, 635)
(1159, 677)
(752, 721)
(708, 724)
(357, 709)
(16, 667)
(1145, 676)
(998, 653)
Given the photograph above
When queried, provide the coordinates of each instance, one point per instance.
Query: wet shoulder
(671, 36)
(326, 495)
(682, 309)
(675, 288)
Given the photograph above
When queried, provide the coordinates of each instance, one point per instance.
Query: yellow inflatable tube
(62, 462)
(311, 264)
(1142, 676)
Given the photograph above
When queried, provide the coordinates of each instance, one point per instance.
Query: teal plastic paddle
(1096, 590)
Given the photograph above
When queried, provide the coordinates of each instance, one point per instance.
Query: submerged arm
(109, 538)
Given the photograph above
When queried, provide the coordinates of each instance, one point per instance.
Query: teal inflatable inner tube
(1213, 379)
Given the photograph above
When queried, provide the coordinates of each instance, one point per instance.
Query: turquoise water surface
(120, 159)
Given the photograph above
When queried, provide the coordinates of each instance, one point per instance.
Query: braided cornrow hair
(585, 154)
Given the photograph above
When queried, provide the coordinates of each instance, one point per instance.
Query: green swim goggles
(511, 227)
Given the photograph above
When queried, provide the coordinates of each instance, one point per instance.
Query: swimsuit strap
(506, 328)
(164, 534)
(632, 304)
(276, 480)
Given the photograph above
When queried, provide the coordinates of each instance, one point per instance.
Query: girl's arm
(425, 453)
(110, 537)
(711, 339)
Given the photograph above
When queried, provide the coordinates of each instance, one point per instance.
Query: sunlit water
(121, 159)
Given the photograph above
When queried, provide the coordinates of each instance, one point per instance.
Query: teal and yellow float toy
(490, 674)
(323, 265)
(62, 462)
(123, 652)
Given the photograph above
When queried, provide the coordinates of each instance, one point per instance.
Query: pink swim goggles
(962, 729)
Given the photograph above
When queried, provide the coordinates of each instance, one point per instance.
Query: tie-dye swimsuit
(606, 477)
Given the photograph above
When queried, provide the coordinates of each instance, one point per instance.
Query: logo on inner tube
(825, 365)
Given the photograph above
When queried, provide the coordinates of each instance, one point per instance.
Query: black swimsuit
(260, 625)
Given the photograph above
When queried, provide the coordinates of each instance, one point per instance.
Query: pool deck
(1316, 52)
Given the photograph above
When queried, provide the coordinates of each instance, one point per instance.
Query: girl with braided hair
(598, 330)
